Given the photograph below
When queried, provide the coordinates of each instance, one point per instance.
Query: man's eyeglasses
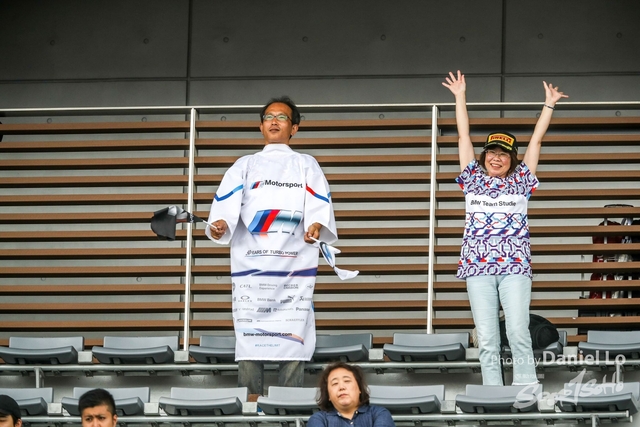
(499, 154)
(280, 117)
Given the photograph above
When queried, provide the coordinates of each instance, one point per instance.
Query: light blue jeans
(513, 292)
(251, 374)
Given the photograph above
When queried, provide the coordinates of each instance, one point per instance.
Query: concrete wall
(199, 52)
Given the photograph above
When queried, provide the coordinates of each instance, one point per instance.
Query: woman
(495, 258)
(344, 400)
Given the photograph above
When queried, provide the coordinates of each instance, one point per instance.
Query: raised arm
(458, 87)
(532, 155)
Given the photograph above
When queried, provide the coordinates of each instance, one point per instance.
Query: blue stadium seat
(145, 350)
(42, 350)
(214, 349)
(289, 401)
(187, 401)
(580, 397)
(129, 401)
(32, 401)
(611, 343)
(343, 347)
(484, 399)
(409, 347)
(408, 399)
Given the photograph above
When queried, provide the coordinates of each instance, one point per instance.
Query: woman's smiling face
(497, 162)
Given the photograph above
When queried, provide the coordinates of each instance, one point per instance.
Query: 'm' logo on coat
(275, 221)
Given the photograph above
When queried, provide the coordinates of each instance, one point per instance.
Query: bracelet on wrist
(549, 106)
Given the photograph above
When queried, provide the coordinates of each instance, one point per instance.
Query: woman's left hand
(552, 93)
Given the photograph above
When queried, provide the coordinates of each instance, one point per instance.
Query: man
(97, 409)
(269, 207)
(10, 415)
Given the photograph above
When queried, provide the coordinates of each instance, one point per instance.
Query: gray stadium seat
(214, 349)
(289, 401)
(129, 401)
(484, 399)
(186, 401)
(579, 397)
(555, 348)
(343, 347)
(145, 350)
(32, 401)
(42, 350)
(408, 399)
(408, 347)
(626, 343)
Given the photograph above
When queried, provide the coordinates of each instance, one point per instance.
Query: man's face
(277, 131)
(7, 421)
(98, 416)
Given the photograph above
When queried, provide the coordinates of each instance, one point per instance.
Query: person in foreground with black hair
(495, 258)
(97, 409)
(270, 206)
(10, 415)
(344, 400)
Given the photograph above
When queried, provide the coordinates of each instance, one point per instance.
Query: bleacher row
(576, 401)
(414, 404)
(620, 347)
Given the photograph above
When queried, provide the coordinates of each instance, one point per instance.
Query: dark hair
(323, 400)
(295, 113)
(514, 160)
(10, 408)
(97, 397)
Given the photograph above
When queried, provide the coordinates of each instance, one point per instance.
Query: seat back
(419, 340)
(128, 400)
(408, 347)
(578, 397)
(45, 343)
(613, 337)
(185, 401)
(340, 340)
(218, 341)
(401, 392)
(191, 393)
(214, 349)
(32, 401)
(501, 391)
(408, 399)
(146, 350)
(289, 400)
(143, 393)
(499, 399)
(344, 347)
(49, 350)
(293, 393)
(127, 343)
(579, 389)
(45, 393)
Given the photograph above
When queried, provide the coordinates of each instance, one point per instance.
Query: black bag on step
(543, 333)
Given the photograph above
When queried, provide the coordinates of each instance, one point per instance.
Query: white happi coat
(268, 200)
